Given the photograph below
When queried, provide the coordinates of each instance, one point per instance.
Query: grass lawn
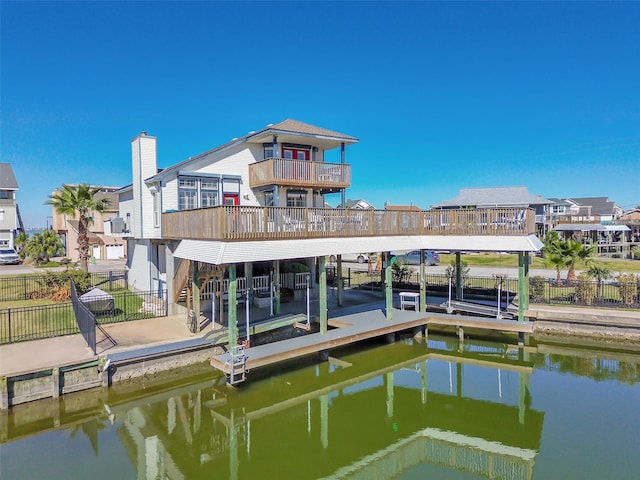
(58, 318)
(511, 260)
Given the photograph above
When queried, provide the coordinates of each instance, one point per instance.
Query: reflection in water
(369, 414)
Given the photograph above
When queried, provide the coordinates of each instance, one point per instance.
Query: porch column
(423, 283)
(322, 294)
(339, 280)
(523, 284)
(276, 287)
(232, 307)
(275, 146)
(195, 288)
(248, 275)
(388, 286)
(458, 276)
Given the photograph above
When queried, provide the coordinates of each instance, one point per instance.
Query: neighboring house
(402, 208)
(631, 219)
(360, 203)
(102, 244)
(281, 165)
(10, 220)
(584, 209)
(592, 220)
(500, 197)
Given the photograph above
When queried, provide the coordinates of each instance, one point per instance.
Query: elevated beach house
(251, 214)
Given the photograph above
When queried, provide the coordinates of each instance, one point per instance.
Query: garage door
(115, 252)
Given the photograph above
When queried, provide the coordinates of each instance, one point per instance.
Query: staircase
(183, 282)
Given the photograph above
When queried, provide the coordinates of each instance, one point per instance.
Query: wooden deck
(240, 223)
(360, 326)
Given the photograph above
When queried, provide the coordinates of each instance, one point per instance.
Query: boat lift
(453, 306)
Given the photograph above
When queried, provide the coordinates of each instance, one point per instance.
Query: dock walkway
(361, 325)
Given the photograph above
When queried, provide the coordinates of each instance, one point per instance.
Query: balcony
(299, 173)
(235, 223)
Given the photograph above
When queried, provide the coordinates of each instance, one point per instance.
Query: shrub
(452, 271)
(628, 288)
(586, 289)
(400, 271)
(56, 285)
(536, 287)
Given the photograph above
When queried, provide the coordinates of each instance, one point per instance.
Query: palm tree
(553, 253)
(558, 261)
(575, 252)
(600, 273)
(43, 245)
(79, 201)
(20, 243)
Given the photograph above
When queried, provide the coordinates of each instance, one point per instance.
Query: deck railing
(300, 173)
(231, 223)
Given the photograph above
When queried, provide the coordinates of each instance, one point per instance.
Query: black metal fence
(610, 293)
(25, 287)
(85, 319)
(45, 321)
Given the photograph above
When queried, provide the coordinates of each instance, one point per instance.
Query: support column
(388, 286)
(232, 307)
(458, 276)
(276, 287)
(523, 284)
(195, 289)
(423, 283)
(322, 294)
(339, 280)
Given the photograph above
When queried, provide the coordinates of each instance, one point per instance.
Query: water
(402, 411)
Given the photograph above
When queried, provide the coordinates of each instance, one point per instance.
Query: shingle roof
(494, 197)
(289, 125)
(599, 205)
(295, 126)
(7, 178)
(403, 208)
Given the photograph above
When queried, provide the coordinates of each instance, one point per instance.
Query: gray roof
(290, 126)
(295, 126)
(494, 197)
(599, 205)
(7, 178)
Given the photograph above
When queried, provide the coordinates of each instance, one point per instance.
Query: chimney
(144, 164)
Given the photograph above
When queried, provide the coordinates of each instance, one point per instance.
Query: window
(156, 209)
(187, 199)
(296, 198)
(269, 199)
(268, 151)
(196, 192)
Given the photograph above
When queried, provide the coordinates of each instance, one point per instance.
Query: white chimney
(144, 164)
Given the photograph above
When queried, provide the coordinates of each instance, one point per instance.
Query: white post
(308, 302)
(449, 309)
(246, 310)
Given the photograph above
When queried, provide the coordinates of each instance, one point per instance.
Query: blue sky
(442, 96)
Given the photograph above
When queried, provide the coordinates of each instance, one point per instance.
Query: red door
(230, 199)
(300, 172)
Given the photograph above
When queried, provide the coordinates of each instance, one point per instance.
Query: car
(354, 257)
(413, 257)
(8, 256)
